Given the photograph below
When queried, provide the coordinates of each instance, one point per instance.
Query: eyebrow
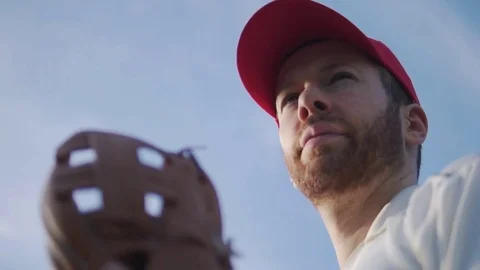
(332, 66)
(323, 69)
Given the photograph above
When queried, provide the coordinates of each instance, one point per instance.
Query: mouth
(321, 133)
(321, 138)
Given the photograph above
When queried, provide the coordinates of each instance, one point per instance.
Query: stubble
(335, 170)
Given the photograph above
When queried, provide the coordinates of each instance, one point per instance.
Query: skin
(369, 154)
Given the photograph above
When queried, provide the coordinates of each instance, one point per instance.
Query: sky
(165, 72)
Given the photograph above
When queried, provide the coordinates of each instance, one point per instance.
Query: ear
(416, 125)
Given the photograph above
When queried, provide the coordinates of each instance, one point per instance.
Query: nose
(312, 101)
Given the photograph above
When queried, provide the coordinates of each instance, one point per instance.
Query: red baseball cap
(281, 26)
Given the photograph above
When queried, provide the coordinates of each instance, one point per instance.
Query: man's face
(336, 125)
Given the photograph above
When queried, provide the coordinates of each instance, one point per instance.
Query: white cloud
(31, 135)
(32, 129)
(6, 230)
(459, 45)
(429, 37)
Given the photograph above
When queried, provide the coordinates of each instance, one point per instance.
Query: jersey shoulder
(447, 186)
(433, 229)
(442, 193)
(442, 212)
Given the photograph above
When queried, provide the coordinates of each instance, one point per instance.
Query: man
(351, 129)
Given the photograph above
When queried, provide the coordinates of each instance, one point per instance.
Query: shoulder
(458, 179)
(463, 165)
(444, 191)
(442, 215)
(436, 228)
(442, 194)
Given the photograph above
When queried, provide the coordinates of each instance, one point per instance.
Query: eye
(340, 76)
(288, 99)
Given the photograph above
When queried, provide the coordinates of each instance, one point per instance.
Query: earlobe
(416, 128)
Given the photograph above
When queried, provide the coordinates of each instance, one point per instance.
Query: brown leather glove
(144, 216)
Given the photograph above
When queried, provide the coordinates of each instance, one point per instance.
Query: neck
(348, 217)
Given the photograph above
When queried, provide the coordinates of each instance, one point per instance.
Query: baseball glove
(135, 214)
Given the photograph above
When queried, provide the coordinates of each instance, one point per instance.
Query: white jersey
(433, 226)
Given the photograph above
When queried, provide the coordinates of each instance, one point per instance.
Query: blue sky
(165, 71)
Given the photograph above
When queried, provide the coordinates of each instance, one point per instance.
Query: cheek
(288, 138)
(363, 98)
(358, 112)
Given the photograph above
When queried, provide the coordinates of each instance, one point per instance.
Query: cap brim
(278, 28)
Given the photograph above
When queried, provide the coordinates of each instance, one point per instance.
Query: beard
(334, 170)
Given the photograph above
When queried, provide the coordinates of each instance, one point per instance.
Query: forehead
(324, 53)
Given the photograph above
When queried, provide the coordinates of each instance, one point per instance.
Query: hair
(398, 97)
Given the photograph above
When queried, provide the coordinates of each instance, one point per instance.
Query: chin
(321, 154)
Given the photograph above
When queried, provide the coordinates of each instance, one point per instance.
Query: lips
(318, 130)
